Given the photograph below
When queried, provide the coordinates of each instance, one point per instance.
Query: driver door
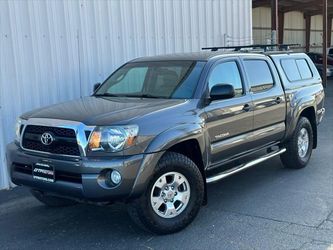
(229, 121)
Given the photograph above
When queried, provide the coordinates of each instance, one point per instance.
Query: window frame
(241, 74)
(307, 63)
(248, 78)
(295, 59)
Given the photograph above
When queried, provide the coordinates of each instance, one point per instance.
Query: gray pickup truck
(160, 128)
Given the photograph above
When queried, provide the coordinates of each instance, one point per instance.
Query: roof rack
(265, 47)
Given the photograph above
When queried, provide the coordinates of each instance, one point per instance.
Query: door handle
(246, 107)
(278, 100)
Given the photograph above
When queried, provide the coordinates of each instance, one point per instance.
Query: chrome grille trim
(79, 128)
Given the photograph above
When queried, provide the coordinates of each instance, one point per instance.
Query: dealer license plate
(43, 172)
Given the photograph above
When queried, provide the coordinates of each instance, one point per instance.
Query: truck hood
(103, 110)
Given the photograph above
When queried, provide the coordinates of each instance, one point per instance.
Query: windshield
(166, 79)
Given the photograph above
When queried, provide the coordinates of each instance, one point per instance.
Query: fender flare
(157, 148)
(175, 135)
(296, 111)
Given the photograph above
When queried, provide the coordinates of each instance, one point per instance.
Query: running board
(244, 166)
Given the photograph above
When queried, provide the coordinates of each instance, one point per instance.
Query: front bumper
(82, 178)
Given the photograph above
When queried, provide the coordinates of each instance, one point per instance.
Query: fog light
(115, 177)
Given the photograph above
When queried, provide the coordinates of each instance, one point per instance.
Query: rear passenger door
(268, 100)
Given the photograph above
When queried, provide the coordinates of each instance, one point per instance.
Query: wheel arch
(306, 107)
(310, 114)
(191, 149)
(182, 139)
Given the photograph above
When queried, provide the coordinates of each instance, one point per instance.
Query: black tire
(292, 158)
(52, 201)
(141, 209)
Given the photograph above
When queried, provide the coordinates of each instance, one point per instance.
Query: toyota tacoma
(160, 128)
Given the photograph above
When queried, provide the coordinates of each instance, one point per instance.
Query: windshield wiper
(107, 94)
(147, 96)
(129, 95)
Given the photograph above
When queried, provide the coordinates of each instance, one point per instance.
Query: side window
(132, 81)
(259, 74)
(227, 73)
(304, 69)
(291, 70)
(296, 70)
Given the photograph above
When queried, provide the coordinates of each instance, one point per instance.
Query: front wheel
(173, 197)
(299, 147)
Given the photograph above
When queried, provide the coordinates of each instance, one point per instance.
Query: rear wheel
(299, 147)
(173, 197)
(52, 201)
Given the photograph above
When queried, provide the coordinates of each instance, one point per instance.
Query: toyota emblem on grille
(46, 138)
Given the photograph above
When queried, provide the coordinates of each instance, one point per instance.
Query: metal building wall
(261, 25)
(294, 28)
(317, 33)
(53, 51)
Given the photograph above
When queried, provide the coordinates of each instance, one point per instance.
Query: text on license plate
(43, 172)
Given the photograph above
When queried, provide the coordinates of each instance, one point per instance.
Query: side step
(245, 166)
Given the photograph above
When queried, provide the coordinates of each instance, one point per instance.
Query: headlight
(18, 129)
(113, 138)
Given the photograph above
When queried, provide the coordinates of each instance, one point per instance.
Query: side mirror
(96, 86)
(222, 91)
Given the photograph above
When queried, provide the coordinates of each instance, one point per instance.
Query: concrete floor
(266, 207)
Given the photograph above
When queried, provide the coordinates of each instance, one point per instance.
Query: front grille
(64, 143)
(65, 132)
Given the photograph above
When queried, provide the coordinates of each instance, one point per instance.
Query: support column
(324, 42)
(329, 31)
(307, 32)
(281, 27)
(275, 17)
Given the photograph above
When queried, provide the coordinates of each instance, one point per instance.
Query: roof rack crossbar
(265, 47)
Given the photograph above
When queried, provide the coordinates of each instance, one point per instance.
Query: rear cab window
(304, 69)
(296, 69)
